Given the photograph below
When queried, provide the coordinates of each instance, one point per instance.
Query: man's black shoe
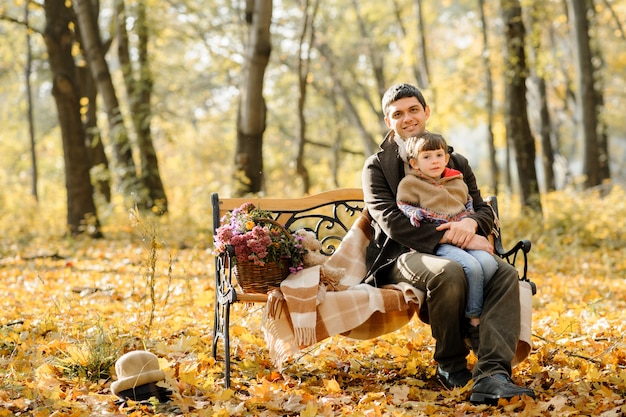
(490, 389)
(455, 379)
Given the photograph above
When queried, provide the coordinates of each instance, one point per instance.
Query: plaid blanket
(303, 312)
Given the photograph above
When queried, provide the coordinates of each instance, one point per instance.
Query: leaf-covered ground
(71, 307)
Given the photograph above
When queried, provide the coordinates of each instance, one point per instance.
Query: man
(400, 252)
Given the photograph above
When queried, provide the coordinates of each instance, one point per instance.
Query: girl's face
(431, 163)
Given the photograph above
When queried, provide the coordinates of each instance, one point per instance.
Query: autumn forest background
(120, 118)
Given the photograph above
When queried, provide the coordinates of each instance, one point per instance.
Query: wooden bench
(329, 215)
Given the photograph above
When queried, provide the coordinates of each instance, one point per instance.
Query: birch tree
(252, 108)
(92, 46)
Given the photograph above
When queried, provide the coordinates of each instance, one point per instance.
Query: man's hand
(463, 235)
(479, 242)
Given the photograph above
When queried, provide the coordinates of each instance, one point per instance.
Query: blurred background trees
(178, 97)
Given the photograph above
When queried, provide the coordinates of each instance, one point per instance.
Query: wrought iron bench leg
(221, 329)
(224, 298)
(216, 325)
(226, 335)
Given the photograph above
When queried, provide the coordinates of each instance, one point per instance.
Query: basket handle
(275, 223)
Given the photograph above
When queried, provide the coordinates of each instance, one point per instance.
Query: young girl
(432, 192)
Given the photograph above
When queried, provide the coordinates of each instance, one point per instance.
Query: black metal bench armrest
(523, 246)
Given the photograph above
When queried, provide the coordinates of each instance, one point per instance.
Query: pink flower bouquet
(256, 237)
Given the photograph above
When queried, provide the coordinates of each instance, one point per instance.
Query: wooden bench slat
(251, 298)
(293, 204)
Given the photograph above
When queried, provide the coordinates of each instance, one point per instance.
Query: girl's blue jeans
(479, 267)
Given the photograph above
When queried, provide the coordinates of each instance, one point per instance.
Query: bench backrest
(329, 214)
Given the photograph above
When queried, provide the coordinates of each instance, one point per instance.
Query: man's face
(407, 117)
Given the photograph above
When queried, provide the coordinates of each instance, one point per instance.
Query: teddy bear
(331, 276)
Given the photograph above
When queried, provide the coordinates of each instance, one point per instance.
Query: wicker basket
(257, 279)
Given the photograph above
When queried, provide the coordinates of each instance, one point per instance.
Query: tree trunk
(420, 67)
(90, 38)
(81, 210)
(517, 127)
(545, 124)
(98, 161)
(423, 73)
(372, 51)
(304, 58)
(599, 85)
(561, 168)
(493, 163)
(139, 90)
(585, 92)
(248, 175)
(29, 98)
